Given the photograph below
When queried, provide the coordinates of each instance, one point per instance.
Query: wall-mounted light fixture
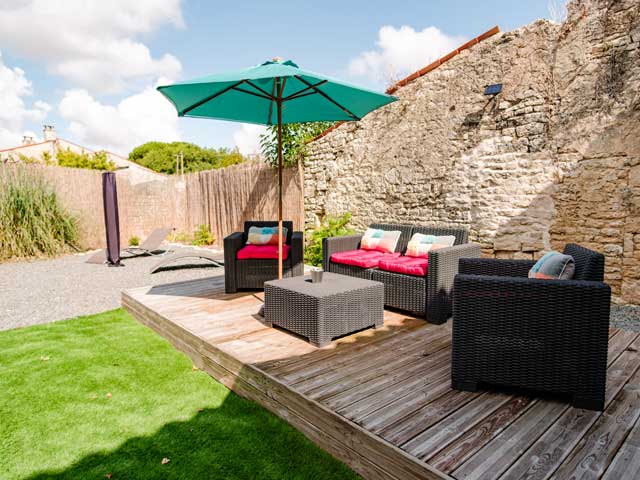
(494, 89)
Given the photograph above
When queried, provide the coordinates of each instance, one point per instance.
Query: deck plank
(381, 401)
(597, 449)
(338, 364)
(412, 422)
(626, 463)
(475, 438)
(541, 456)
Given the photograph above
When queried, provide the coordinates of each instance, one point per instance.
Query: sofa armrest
(443, 267)
(333, 245)
(495, 266)
(509, 302)
(232, 244)
(297, 249)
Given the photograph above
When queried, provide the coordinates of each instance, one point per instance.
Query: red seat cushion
(361, 258)
(406, 265)
(262, 251)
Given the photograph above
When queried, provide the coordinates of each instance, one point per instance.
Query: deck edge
(251, 382)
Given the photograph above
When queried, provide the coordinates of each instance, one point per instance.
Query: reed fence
(222, 199)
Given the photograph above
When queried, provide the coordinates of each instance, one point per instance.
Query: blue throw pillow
(554, 265)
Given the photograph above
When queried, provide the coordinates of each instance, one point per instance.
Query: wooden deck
(380, 400)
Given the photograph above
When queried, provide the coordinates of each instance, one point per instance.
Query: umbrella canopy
(274, 93)
(251, 95)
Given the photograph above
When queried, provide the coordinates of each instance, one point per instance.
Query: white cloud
(247, 138)
(139, 118)
(402, 51)
(14, 86)
(92, 43)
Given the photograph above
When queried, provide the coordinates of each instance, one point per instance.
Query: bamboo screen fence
(222, 199)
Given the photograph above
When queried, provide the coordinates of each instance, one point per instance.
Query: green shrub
(330, 227)
(134, 241)
(161, 156)
(180, 237)
(32, 221)
(96, 161)
(203, 236)
(26, 159)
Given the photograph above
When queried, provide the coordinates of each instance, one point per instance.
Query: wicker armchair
(252, 273)
(544, 335)
(427, 296)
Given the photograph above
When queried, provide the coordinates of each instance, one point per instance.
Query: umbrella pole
(279, 107)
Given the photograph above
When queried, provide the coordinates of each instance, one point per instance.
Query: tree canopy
(161, 156)
(295, 137)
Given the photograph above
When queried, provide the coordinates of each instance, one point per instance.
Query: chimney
(49, 133)
(27, 140)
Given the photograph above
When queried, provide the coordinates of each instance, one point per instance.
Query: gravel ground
(42, 291)
(627, 317)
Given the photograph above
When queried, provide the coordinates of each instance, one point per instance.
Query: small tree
(295, 137)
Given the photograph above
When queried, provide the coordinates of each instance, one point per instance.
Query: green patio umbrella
(274, 93)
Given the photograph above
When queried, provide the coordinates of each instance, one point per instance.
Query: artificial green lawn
(104, 397)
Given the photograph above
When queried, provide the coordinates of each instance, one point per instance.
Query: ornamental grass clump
(32, 221)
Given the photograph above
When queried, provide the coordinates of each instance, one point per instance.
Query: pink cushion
(262, 251)
(406, 265)
(361, 258)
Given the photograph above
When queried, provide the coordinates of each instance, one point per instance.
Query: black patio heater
(111, 218)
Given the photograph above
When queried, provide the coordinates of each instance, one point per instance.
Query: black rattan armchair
(252, 273)
(544, 335)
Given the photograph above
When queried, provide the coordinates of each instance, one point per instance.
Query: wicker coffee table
(337, 306)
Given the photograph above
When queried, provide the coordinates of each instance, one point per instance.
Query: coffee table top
(332, 284)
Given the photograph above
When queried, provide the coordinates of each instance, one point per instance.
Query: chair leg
(588, 403)
(465, 385)
(320, 342)
(435, 316)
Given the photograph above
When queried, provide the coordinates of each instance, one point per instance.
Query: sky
(90, 67)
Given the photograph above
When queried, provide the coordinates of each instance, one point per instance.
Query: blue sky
(96, 86)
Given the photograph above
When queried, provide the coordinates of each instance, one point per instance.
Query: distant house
(52, 144)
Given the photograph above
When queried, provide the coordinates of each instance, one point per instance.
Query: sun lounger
(151, 244)
(214, 258)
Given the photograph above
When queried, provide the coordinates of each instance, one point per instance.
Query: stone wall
(553, 158)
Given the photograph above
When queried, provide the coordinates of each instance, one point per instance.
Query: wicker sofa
(251, 273)
(428, 296)
(544, 335)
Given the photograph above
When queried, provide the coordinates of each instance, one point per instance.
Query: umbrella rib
(210, 97)
(346, 110)
(273, 91)
(283, 81)
(261, 90)
(237, 89)
(302, 95)
(293, 96)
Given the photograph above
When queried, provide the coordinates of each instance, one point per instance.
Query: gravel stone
(43, 291)
(626, 317)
